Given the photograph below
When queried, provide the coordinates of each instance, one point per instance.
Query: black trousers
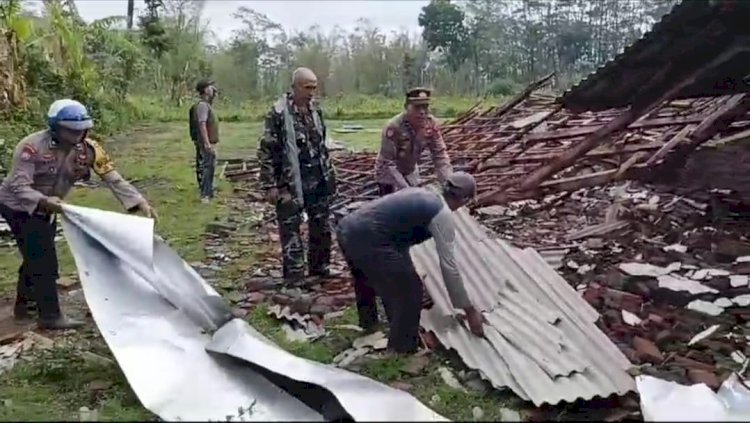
(389, 273)
(38, 274)
(384, 190)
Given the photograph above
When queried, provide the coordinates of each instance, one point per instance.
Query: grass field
(159, 157)
(352, 107)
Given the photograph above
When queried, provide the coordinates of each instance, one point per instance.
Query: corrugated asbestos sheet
(542, 341)
(691, 35)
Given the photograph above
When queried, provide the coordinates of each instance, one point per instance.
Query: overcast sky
(292, 14)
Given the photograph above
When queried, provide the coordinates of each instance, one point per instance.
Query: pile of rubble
(669, 278)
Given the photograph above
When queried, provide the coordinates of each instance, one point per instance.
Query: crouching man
(45, 166)
(375, 241)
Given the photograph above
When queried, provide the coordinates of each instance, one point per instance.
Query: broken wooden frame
(536, 147)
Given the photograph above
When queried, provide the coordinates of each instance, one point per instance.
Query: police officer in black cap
(204, 131)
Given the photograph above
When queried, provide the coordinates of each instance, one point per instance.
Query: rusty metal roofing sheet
(692, 34)
(542, 341)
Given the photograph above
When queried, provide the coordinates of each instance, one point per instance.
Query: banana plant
(16, 29)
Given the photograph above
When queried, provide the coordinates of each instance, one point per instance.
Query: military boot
(59, 323)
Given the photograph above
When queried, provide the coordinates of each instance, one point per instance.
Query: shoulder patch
(102, 163)
(28, 152)
(389, 132)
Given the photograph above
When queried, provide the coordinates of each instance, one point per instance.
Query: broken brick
(642, 288)
(402, 386)
(343, 300)
(703, 376)
(717, 346)
(281, 299)
(664, 337)
(630, 354)
(320, 309)
(318, 320)
(612, 317)
(301, 305)
(324, 300)
(430, 340)
(720, 283)
(647, 350)
(258, 284)
(655, 318)
(689, 363)
(256, 297)
(622, 300)
(593, 295)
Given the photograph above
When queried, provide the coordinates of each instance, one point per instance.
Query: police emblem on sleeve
(27, 153)
(102, 163)
(389, 133)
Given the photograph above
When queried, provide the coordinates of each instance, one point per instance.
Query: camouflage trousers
(289, 215)
(205, 168)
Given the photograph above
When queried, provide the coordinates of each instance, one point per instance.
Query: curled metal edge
(363, 398)
(158, 346)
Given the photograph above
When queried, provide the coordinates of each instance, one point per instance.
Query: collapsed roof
(704, 40)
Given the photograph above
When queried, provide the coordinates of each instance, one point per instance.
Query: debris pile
(658, 262)
(16, 346)
(669, 279)
(504, 146)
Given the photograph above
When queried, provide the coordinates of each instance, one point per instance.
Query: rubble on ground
(669, 278)
(18, 345)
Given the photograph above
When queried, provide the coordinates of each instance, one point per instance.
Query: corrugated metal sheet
(691, 35)
(542, 341)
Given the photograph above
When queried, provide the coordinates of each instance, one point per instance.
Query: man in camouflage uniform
(45, 166)
(403, 140)
(297, 175)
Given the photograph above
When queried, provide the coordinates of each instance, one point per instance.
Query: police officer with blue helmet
(45, 166)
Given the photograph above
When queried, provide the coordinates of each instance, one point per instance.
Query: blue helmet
(69, 114)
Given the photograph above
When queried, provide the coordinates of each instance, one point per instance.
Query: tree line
(472, 48)
(475, 47)
(127, 66)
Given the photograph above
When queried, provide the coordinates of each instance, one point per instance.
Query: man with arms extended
(376, 239)
(403, 140)
(45, 166)
(297, 175)
(204, 131)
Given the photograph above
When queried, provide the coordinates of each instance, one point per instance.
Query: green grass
(159, 158)
(353, 107)
(58, 382)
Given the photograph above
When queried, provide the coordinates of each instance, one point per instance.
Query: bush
(503, 87)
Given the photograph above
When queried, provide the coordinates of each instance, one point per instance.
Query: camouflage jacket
(285, 140)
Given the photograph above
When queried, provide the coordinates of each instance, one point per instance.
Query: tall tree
(443, 27)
